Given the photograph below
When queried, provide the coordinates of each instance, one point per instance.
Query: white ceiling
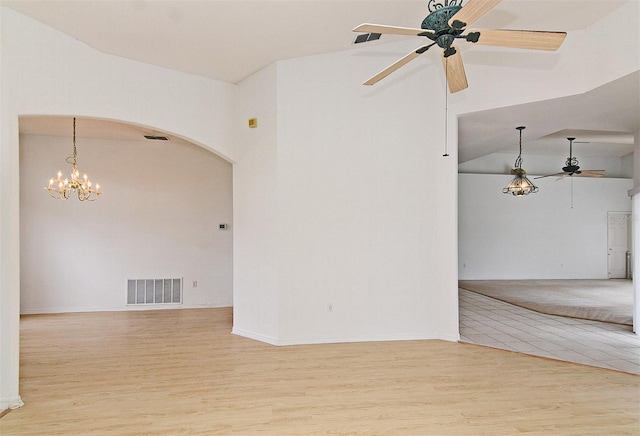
(604, 117)
(229, 40)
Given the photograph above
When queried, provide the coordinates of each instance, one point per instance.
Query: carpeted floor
(598, 300)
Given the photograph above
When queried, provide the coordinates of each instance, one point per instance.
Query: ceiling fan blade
(399, 63)
(472, 11)
(391, 30)
(592, 173)
(528, 39)
(454, 69)
(562, 174)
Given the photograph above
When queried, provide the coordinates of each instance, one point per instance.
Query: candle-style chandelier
(62, 189)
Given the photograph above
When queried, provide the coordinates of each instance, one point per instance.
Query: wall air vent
(156, 138)
(154, 291)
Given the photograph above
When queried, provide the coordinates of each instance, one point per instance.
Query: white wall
(538, 236)
(158, 218)
(359, 187)
(45, 72)
(348, 199)
(635, 242)
(255, 207)
(52, 73)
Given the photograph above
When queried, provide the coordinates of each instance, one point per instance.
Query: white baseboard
(11, 403)
(450, 338)
(52, 310)
(335, 340)
(255, 336)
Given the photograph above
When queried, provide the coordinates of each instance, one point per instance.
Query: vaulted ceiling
(229, 40)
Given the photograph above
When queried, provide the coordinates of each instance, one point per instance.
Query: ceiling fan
(448, 21)
(571, 167)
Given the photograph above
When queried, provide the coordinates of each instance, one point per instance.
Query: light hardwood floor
(182, 372)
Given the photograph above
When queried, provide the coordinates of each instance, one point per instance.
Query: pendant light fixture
(62, 189)
(520, 185)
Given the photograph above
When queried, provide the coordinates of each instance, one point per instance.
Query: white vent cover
(154, 291)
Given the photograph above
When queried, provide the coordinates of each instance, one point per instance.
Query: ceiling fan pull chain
(446, 110)
(572, 193)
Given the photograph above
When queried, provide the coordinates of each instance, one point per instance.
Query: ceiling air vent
(365, 37)
(156, 138)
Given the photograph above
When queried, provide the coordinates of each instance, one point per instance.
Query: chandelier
(520, 185)
(62, 189)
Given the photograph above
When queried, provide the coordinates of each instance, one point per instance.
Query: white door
(617, 242)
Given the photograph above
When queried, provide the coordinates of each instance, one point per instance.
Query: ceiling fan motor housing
(571, 170)
(445, 41)
(438, 20)
(571, 166)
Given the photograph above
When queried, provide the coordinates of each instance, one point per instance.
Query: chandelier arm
(518, 162)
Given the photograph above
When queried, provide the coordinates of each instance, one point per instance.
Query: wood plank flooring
(181, 372)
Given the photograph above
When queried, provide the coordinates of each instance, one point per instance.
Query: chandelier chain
(73, 159)
(518, 163)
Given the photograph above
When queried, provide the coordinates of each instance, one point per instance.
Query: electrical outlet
(330, 307)
(195, 283)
